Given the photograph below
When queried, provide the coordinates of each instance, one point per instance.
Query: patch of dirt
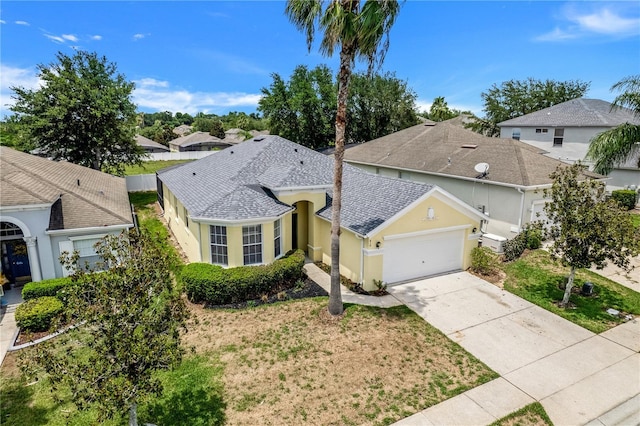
(292, 363)
(497, 277)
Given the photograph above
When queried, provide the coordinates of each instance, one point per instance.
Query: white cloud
(602, 21)
(96, 37)
(25, 23)
(139, 36)
(69, 37)
(158, 95)
(15, 77)
(54, 38)
(2, 21)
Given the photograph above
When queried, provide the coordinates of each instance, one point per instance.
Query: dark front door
(18, 259)
(294, 231)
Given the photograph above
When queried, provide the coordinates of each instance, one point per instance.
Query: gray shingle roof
(580, 112)
(439, 149)
(236, 184)
(89, 198)
(199, 137)
(148, 143)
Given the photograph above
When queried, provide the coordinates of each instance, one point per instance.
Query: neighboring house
(47, 207)
(149, 145)
(183, 130)
(251, 203)
(234, 135)
(454, 158)
(198, 141)
(565, 130)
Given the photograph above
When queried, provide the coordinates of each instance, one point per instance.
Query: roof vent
(301, 162)
(78, 182)
(469, 145)
(194, 173)
(231, 152)
(258, 139)
(295, 149)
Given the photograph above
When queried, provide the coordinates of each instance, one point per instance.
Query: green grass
(193, 394)
(636, 220)
(532, 414)
(540, 280)
(152, 166)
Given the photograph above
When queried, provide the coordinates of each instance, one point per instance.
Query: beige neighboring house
(150, 146)
(183, 130)
(503, 178)
(199, 141)
(48, 207)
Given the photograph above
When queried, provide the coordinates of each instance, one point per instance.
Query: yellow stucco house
(251, 203)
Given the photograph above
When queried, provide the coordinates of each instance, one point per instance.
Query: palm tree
(360, 30)
(621, 143)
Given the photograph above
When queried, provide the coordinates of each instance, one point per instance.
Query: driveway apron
(539, 355)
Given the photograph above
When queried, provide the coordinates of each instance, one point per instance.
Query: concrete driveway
(578, 376)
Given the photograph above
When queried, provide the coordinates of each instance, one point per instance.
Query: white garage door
(412, 257)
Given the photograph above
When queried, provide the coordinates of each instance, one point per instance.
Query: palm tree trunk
(344, 77)
(567, 289)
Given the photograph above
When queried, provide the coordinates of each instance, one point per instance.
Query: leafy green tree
(82, 113)
(515, 98)
(13, 134)
(159, 132)
(359, 30)
(621, 143)
(303, 108)
(217, 129)
(378, 105)
(440, 111)
(587, 229)
(131, 317)
(204, 124)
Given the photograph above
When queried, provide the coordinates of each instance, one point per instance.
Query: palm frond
(614, 146)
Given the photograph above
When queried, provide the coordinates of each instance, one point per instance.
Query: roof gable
(581, 112)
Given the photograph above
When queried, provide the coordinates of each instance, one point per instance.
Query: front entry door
(294, 231)
(18, 260)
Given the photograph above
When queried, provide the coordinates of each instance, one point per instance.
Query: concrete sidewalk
(576, 375)
(8, 328)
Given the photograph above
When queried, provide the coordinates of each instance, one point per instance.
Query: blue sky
(215, 56)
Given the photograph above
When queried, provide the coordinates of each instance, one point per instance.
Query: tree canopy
(621, 143)
(586, 228)
(82, 113)
(515, 98)
(303, 108)
(133, 314)
(440, 111)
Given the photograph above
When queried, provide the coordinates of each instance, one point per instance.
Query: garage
(410, 256)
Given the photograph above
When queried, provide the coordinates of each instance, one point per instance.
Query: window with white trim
(219, 245)
(87, 253)
(252, 244)
(277, 238)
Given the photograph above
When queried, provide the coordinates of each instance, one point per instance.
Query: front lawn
(530, 415)
(285, 363)
(540, 280)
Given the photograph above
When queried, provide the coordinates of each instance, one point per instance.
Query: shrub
(625, 197)
(483, 261)
(42, 288)
(530, 237)
(218, 286)
(38, 314)
(514, 247)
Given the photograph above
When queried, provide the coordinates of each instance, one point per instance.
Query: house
(565, 130)
(47, 207)
(198, 141)
(251, 203)
(150, 146)
(503, 178)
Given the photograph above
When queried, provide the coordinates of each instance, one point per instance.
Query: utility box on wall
(494, 242)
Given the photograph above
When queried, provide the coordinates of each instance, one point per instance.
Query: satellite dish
(481, 168)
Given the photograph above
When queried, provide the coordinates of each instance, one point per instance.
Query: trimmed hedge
(42, 288)
(216, 285)
(625, 197)
(37, 314)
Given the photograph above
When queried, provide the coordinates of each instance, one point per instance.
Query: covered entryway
(15, 258)
(410, 256)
